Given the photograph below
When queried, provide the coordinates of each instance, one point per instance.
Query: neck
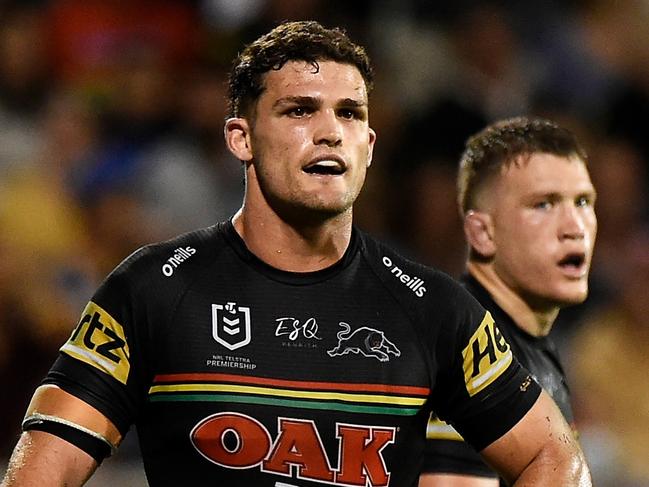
(535, 322)
(291, 247)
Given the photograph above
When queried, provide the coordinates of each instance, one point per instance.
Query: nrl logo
(231, 325)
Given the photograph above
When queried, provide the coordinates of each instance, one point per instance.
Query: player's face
(310, 137)
(544, 229)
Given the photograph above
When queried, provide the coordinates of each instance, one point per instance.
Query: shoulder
(161, 260)
(406, 276)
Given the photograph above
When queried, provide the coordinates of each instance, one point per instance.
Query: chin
(572, 297)
(330, 207)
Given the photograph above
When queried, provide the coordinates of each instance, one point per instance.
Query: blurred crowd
(111, 119)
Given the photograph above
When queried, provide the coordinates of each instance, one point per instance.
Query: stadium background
(111, 116)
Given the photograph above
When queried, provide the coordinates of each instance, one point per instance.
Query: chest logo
(231, 325)
(237, 441)
(365, 341)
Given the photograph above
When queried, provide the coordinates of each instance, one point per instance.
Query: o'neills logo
(181, 254)
(414, 283)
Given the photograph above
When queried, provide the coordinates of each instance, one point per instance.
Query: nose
(328, 130)
(572, 223)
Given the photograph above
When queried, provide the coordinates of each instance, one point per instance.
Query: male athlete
(527, 202)
(285, 348)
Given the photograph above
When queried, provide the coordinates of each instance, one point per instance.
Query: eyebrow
(557, 195)
(314, 101)
(350, 102)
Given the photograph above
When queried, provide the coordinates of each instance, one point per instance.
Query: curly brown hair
(503, 143)
(305, 41)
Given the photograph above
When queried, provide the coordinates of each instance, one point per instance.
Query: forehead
(545, 173)
(327, 79)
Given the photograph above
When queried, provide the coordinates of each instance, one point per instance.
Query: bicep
(540, 441)
(53, 401)
(41, 458)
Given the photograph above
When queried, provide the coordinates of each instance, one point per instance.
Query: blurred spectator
(495, 74)
(47, 270)
(617, 33)
(24, 82)
(188, 179)
(619, 174)
(609, 363)
(44, 228)
(91, 37)
(432, 226)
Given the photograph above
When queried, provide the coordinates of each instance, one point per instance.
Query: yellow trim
(437, 429)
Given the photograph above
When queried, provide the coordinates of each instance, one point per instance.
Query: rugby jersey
(446, 452)
(236, 373)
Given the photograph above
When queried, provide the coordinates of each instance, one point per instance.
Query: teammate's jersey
(238, 374)
(446, 452)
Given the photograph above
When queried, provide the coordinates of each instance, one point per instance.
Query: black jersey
(238, 374)
(446, 452)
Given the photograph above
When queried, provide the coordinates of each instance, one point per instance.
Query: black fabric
(322, 378)
(94, 447)
(450, 457)
(539, 355)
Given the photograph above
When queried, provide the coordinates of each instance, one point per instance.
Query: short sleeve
(447, 452)
(101, 361)
(481, 390)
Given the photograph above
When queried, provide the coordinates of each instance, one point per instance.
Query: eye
(583, 201)
(347, 113)
(542, 205)
(299, 111)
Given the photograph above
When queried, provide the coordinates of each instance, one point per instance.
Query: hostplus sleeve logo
(486, 356)
(414, 283)
(181, 254)
(231, 325)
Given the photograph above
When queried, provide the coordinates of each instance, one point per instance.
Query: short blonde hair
(505, 142)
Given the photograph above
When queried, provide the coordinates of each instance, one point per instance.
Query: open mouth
(326, 167)
(573, 261)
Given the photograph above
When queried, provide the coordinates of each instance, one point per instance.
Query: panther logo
(366, 341)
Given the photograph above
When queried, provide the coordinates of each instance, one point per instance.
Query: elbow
(580, 472)
(563, 466)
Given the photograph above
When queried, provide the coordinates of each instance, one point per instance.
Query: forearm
(540, 450)
(42, 460)
(455, 480)
(544, 470)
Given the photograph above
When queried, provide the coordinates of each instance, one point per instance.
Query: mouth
(574, 264)
(326, 166)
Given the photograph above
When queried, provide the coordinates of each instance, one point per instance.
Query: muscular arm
(539, 450)
(455, 480)
(42, 459)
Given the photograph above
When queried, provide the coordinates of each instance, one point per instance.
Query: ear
(479, 233)
(237, 138)
(371, 141)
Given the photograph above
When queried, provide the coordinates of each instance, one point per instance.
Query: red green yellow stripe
(350, 397)
(308, 385)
